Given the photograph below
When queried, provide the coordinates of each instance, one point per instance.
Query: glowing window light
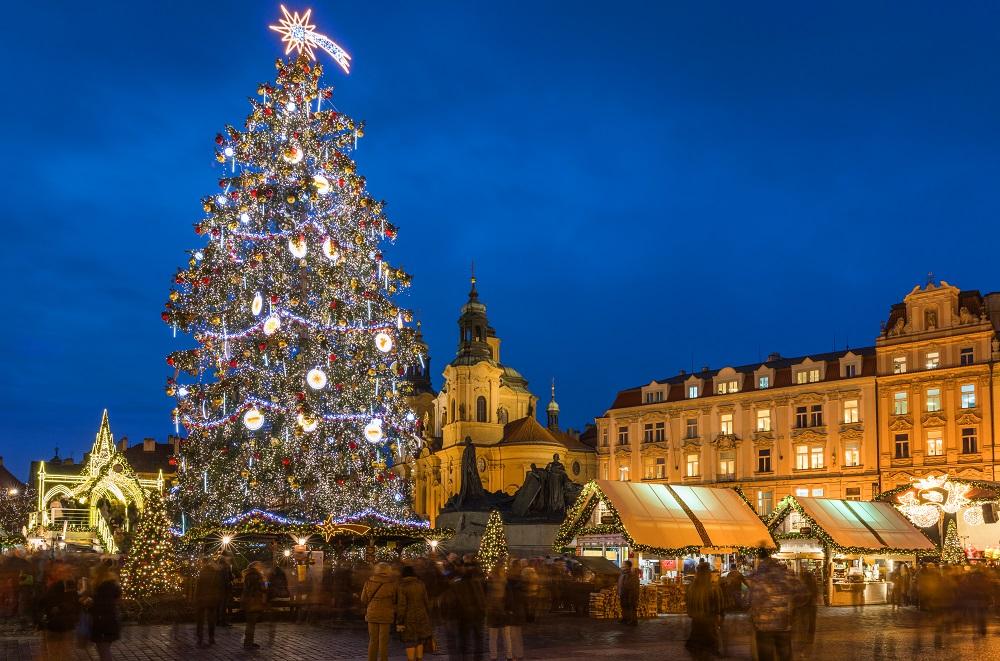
(301, 36)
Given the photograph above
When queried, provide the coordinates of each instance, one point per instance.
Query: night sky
(644, 187)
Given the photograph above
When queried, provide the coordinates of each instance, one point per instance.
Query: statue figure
(897, 328)
(501, 415)
(930, 320)
(556, 485)
(471, 491)
(964, 316)
(531, 495)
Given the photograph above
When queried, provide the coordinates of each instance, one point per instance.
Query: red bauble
(352, 445)
(274, 300)
(165, 316)
(333, 357)
(268, 111)
(232, 363)
(170, 361)
(285, 461)
(172, 461)
(219, 139)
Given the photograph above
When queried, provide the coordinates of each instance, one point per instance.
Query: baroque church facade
(490, 404)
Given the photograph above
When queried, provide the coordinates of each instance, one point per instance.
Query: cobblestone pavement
(877, 633)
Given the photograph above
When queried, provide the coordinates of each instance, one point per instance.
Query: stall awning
(674, 517)
(872, 526)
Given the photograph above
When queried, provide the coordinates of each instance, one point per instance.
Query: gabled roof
(527, 431)
(856, 526)
(8, 480)
(671, 519)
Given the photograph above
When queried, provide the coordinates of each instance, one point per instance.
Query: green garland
(789, 503)
(258, 526)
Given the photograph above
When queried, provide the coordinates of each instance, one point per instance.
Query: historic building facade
(846, 424)
(489, 403)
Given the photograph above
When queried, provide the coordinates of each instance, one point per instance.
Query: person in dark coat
(413, 619)
(60, 611)
(208, 591)
(226, 569)
(516, 604)
(466, 600)
(105, 621)
(628, 594)
(704, 607)
(252, 601)
(496, 610)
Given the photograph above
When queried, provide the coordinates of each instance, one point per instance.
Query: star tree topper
(301, 36)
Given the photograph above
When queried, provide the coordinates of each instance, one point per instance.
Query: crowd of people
(449, 604)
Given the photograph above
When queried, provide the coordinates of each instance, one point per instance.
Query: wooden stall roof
(874, 526)
(662, 516)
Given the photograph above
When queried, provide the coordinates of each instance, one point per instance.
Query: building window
(816, 416)
(727, 463)
(807, 376)
(764, 420)
(816, 457)
(623, 474)
(933, 360)
(623, 435)
(966, 356)
(970, 444)
(604, 437)
(764, 460)
(852, 493)
(693, 469)
(692, 392)
(765, 502)
(764, 382)
(799, 491)
(453, 418)
(968, 395)
(654, 396)
(661, 468)
(817, 492)
(933, 399)
(726, 423)
(851, 414)
(728, 386)
(852, 453)
(649, 398)
(899, 365)
(935, 443)
(802, 457)
(801, 417)
(850, 371)
(902, 446)
(692, 428)
(604, 472)
(647, 433)
(660, 432)
(480, 409)
(900, 403)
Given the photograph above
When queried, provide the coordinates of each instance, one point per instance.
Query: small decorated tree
(151, 567)
(15, 504)
(493, 546)
(952, 552)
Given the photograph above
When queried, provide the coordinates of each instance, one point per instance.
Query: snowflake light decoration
(301, 36)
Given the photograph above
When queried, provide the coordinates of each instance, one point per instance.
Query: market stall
(665, 530)
(852, 546)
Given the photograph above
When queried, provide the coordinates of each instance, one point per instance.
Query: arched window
(453, 418)
(479, 334)
(480, 409)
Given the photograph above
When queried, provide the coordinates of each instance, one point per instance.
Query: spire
(104, 442)
(473, 294)
(474, 328)
(553, 410)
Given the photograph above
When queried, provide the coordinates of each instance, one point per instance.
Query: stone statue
(897, 328)
(501, 415)
(556, 485)
(531, 496)
(930, 320)
(964, 316)
(471, 491)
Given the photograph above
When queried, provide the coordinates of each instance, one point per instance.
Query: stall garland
(264, 526)
(994, 487)
(788, 504)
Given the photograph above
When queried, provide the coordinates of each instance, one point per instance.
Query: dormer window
(654, 396)
(763, 382)
(692, 392)
(727, 386)
(899, 365)
(810, 375)
(850, 365)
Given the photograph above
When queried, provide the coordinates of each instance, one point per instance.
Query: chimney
(149, 444)
(773, 356)
(176, 442)
(704, 369)
(123, 444)
(683, 372)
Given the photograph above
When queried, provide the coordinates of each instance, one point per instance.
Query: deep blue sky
(643, 186)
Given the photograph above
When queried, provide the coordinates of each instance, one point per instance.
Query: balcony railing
(726, 477)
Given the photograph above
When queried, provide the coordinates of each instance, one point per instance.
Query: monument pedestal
(523, 539)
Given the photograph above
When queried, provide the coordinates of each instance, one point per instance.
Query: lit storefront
(851, 546)
(664, 529)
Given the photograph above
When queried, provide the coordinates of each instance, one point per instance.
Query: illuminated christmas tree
(293, 398)
(952, 552)
(150, 567)
(493, 549)
(15, 504)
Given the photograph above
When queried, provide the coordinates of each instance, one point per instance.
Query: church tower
(476, 338)
(553, 410)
